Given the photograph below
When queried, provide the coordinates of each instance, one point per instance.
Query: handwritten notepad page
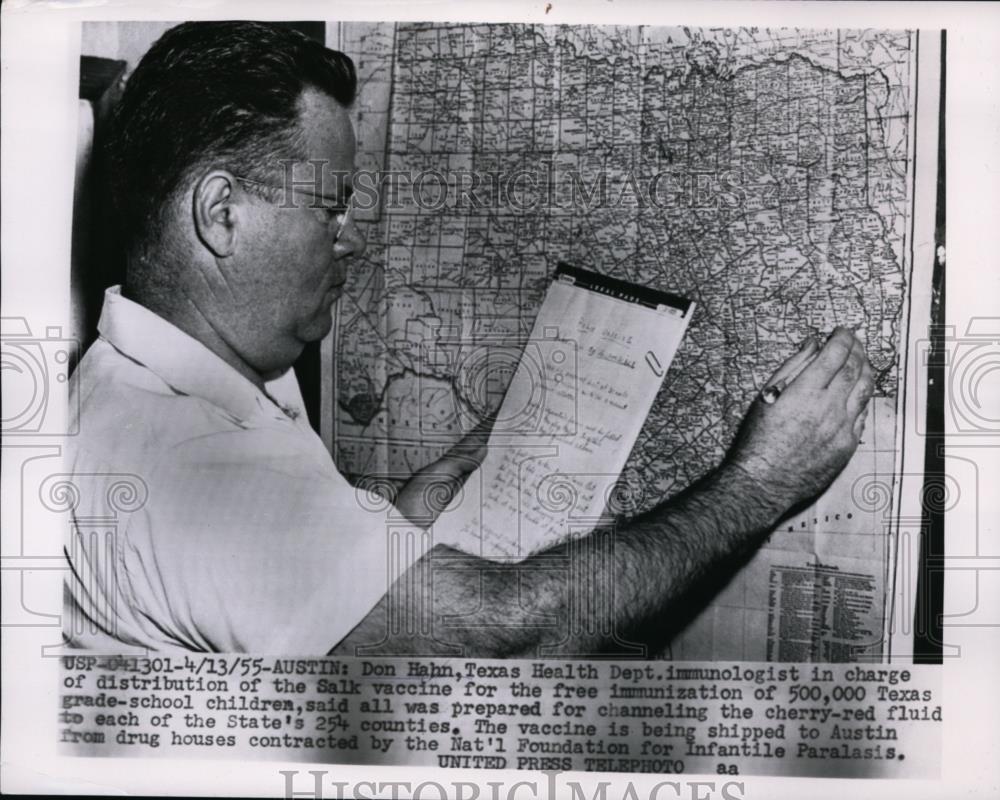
(597, 356)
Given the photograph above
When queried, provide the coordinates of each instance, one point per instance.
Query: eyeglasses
(338, 215)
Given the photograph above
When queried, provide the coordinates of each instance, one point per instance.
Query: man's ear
(217, 212)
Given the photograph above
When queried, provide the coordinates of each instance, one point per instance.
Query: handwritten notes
(597, 356)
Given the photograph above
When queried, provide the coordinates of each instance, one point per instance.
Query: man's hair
(210, 94)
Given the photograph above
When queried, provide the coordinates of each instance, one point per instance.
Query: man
(247, 538)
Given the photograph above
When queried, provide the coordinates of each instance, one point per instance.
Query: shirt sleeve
(249, 544)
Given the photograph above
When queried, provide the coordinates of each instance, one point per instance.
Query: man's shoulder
(131, 420)
(128, 416)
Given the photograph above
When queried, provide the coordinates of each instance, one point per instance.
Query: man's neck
(183, 312)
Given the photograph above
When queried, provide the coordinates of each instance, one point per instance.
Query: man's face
(292, 263)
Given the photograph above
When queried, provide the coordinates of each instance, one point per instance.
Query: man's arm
(583, 596)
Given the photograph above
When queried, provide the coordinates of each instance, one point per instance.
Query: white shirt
(231, 529)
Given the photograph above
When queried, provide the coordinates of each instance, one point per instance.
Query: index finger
(830, 360)
(795, 364)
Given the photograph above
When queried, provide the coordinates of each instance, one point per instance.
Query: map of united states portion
(762, 173)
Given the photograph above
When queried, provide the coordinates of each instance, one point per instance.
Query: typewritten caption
(643, 717)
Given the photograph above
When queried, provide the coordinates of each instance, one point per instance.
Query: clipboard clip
(654, 363)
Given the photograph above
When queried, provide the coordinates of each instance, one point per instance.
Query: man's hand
(431, 489)
(792, 449)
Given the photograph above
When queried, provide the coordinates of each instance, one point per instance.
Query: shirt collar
(186, 365)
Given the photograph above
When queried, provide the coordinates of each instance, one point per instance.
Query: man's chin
(322, 321)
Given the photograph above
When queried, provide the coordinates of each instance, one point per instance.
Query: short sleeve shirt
(236, 532)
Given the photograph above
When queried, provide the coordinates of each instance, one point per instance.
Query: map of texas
(761, 173)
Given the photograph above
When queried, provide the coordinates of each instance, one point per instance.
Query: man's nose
(351, 241)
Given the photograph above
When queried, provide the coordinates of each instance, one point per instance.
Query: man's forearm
(583, 595)
(578, 597)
